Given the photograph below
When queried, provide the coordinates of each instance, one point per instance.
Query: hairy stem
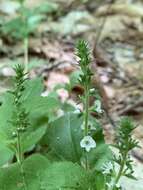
(120, 170)
(86, 120)
(20, 160)
(86, 109)
(19, 155)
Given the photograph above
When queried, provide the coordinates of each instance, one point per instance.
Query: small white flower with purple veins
(88, 143)
(107, 168)
(112, 184)
(97, 106)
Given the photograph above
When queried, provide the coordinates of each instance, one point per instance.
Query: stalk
(19, 152)
(86, 109)
(86, 120)
(85, 80)
(25, 39)
(120, 170)
(20, 117)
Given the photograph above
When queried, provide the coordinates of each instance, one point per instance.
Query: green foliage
(10, 177)
(78, 157)
(125, 143)
(25, 111)
(28, 20)
(41, 174)
(88, 142)
(5, 154)
(64, 135)
(74, 80)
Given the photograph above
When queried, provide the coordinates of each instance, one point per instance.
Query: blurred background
(42, 35)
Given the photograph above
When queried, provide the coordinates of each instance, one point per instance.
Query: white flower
(44, 94)
(107, 168)
(60, 112)
(87, 142)
(92, 90)
(97, 106)
(77, 111)
(112, 184)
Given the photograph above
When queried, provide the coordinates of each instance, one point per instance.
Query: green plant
(24, 113)
(60, 153)
(25, 23)
(85, 81)
(122, 163)
(19, 115)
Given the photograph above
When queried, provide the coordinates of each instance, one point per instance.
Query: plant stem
(120, 170)
(26, 58)
(86, 120)
(86, 109)
(20, 159)
(19, 155)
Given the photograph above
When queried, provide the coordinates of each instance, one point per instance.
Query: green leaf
(74, 79)
(96, 180)
(65, 175)
(38, 108)
(6, 110)
(33, 88)
(28, 20)
(5, 155)
(40, 174)
(64, 135)
(30, 139)
(34, 103)
(11, 178)
(102, 153)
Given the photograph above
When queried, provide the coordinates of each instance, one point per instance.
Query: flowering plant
(50, 152)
